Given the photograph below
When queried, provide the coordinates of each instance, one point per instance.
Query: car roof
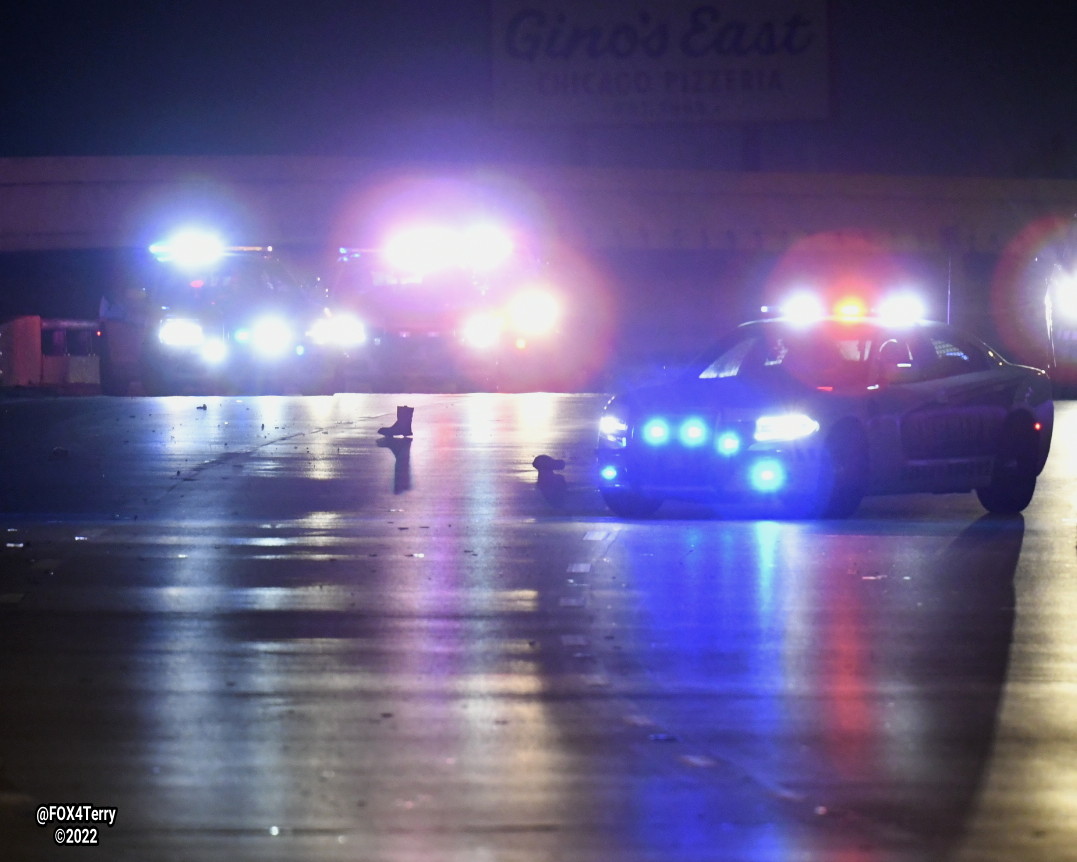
(837, 321)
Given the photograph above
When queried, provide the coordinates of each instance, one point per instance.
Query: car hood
(717, 394)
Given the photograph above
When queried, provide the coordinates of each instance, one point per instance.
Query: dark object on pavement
(402, 426)
(401, 449)
(544, 462)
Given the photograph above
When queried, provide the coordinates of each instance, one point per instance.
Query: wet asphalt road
(259, 633)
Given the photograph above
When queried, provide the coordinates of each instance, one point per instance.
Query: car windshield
(237, 279)
(821, 356)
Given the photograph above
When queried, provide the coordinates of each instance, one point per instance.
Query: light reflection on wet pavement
(261, 631)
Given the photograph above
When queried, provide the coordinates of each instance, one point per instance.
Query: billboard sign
(558, 61)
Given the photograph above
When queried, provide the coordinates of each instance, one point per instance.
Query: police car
(812, 413)
(236, 318)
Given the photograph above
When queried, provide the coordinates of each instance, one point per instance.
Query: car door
(946, 405)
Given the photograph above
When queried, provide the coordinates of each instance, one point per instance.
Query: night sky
(970, 88)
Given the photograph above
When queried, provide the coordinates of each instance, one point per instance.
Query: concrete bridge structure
(100, 202)
(678, 253)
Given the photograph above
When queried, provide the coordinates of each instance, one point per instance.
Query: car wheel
(1013, 481)
(846, 473)
(843, 478)
(627, 504)
(1007, 496)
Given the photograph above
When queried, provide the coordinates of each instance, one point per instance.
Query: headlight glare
(482, 331)
(271, 336)
(613, 429)
(1063, 296)
(784, 427)
(534, 312)
(342, 330)
(180, 332)
(214, 351)
(190, 249)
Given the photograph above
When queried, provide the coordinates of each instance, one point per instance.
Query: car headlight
(613, 429)
(271, 336)
(1064, 298)
(180, 332)
(784, 427)
(214, 351)
(341, 330)
(482, 330)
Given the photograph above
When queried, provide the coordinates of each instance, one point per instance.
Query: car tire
(842, 479)
(845, 473)
(628, 504)
(1013, 481)
(1007, 496)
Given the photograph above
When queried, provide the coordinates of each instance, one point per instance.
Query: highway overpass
(98, 202)
(679, 253)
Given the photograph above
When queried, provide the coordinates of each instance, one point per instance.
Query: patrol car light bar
(895, 310)
(902, 308)
(429, 248)
(190, 249)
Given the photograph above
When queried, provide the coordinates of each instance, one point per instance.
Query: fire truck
(461, 306)
(213, 318)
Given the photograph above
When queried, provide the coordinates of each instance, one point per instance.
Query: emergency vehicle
(1061, 313)
(807, 413)
(461, 306)
(217, 318)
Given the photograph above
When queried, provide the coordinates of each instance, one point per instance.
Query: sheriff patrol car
(813, 413)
